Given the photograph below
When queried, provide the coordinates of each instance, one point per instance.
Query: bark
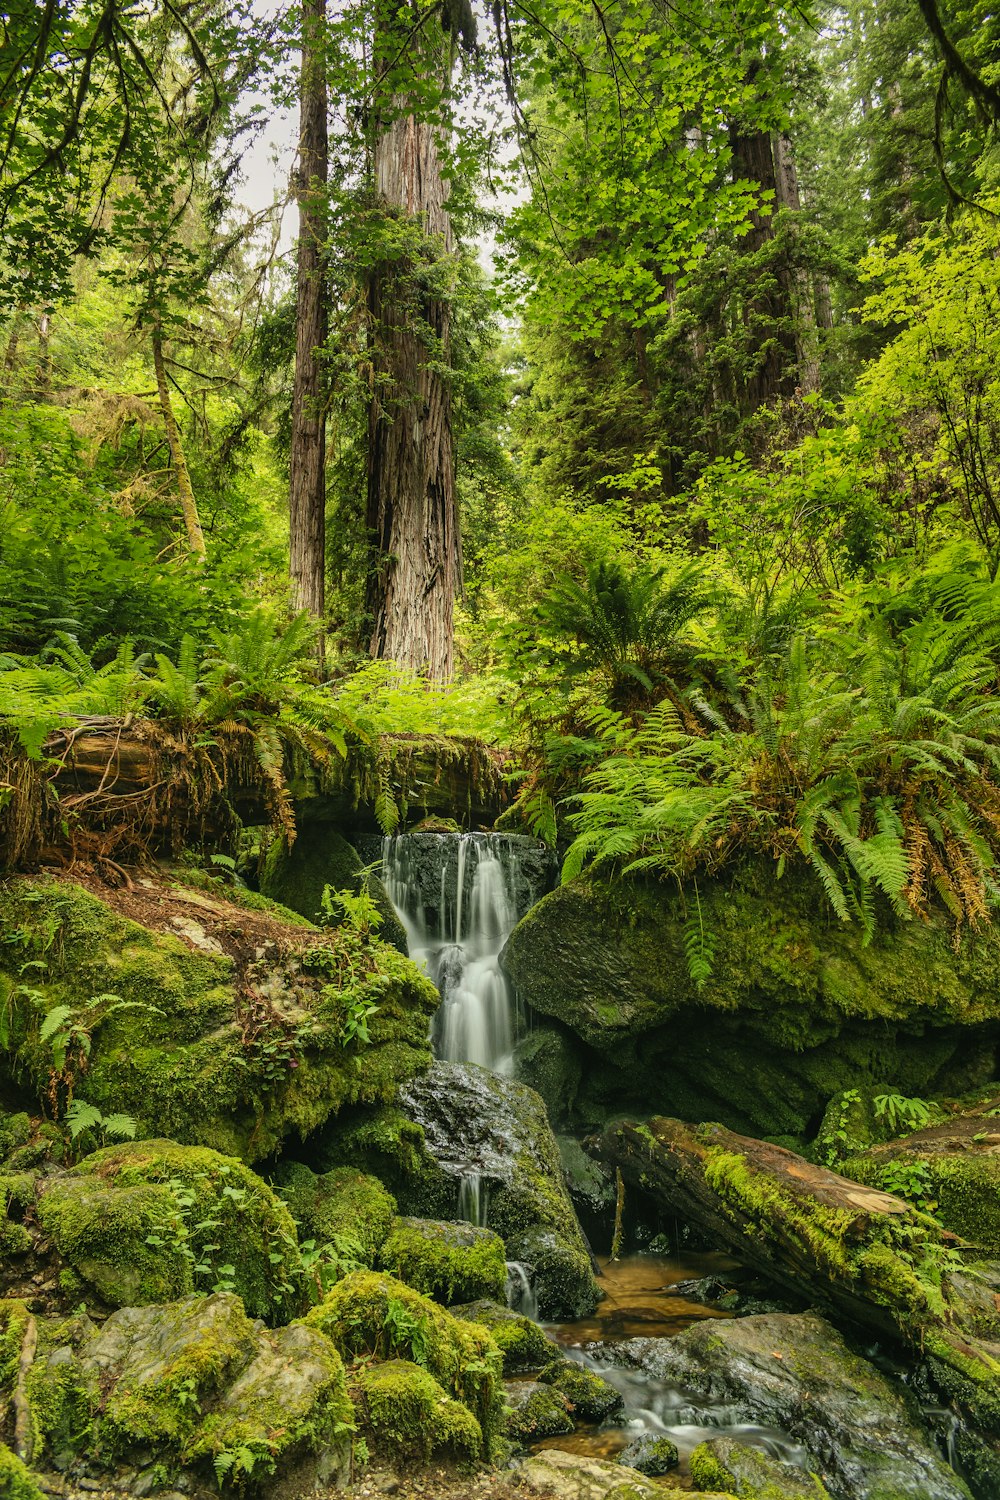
(807, 342)
(307, 488)
(849, 1248)
(769, 311)
(412, 512)
(189, 506)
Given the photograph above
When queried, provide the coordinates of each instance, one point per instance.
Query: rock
(793, 1371)
(138, 1222)
(16, 1480)
(535, 1411)
(194, 1382)
(548, 1061)
(571, 1476)
(236, 1052)
(523, 1344)
(342, 1207)
(449, 1262)
(369, 1312)
(592, 1398)
(320, 857)
(797, 1008)
(407, 1415)
(751, 1474)
(460, 1119)
(651, 1454)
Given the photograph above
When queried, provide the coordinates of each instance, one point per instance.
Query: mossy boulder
(724, 1464)
(574, 1476)
(297, 874)
(194, 1386)
(523, 1344)
(343, 1207)
(149, 1221)
(407, 1415)
(372, 1314)
(458, 1119)
(652, 1454)
(591, 1397)
(449, 1262)
(796, 1009)
(16, 1481)
(235, 1039)
(535, 1411)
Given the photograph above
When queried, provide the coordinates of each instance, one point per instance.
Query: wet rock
(457, 1120)
(536, 1411)
(449, 1262)
(571, 1476)
(651, 1454)
(320, 856)
(428, 863)
(796, 1009)
(548, 1061)
(592, 1398)
(793, 1371)
(724, 1463)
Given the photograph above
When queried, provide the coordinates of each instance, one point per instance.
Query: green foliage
(901, 1114)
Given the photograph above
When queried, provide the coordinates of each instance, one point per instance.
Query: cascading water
(459, 897)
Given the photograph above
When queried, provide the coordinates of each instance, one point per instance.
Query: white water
(458, 941)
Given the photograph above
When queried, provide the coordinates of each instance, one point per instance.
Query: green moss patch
(523, 1344)
(407, 1415)
(345, 1208)
(16, 1482)
(449, 1262)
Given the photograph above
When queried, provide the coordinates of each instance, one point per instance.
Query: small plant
(83, 1119)
(357, 910)
(911, 1180)
(325, 1264)
(900, 1114)
(402, 1329)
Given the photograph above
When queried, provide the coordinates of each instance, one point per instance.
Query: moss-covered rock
(296, 876)
(535, 1411)
(235, 1039)
(549, 1061)
(344, 1207)
(150, 1221)
(16, 1481)
(460, 1117)
(449, 1262)
(373, 1314)
(574, 1476)
(591, 1397)
(406, 1415)
(652, 1454)
(523, 1344)
(797, 1008)
(724, 1464)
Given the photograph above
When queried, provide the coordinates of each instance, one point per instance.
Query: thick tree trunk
(307, 489)
(412, 511)
(769, 312)
(806, 339)
(858, 1251)
(189, 506)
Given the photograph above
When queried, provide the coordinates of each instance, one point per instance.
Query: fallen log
(851, 1249)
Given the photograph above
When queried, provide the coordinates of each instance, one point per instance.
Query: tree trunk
(846, 1247)
(769, 311)
(189, 506)
(806, 339)
(307, 489)
(412, 511)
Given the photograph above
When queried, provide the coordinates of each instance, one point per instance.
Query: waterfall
(459, 897)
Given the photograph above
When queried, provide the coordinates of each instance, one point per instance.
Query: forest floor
(376, 1483)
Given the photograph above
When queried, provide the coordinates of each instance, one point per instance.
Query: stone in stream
(458, 1119)
(793, 1371)
(592, 1398)
(799, 1005)
(572, 1476)
(751, 1474)
(535, 1411)
(652, 1454)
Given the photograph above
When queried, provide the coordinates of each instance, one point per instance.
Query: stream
(459, 896)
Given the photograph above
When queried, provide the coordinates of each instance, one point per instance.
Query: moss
(407, 1414)
(370, 1313)
(146, 1222)
(338, 1207)
(651, 1455)
(16, 1482)
(449, 1262)
(14, 1317)
(592, 1398)
(319, 857)
(523, 1344)
(963, 1187)
(750, 1474)
(537, 1411)
(183, 1057)
(15, 1131)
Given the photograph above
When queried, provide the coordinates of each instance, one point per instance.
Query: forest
(500, 749)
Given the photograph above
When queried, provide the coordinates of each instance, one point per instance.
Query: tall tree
(307, 487)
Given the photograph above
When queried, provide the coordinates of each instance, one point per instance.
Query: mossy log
(853, 1249)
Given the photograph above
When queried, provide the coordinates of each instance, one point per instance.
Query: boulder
(406, 1415)
(523, 1344)
(548, 1060)
(459, 1120)
(591, 1397)
(535, 1411)
(724, 1463)
(797, 1007)
(652, 1454)
(793, 1371)
(449, 1262)
(193, 1385)
(572, 1476)
(345, 1208)
(372, 1314)
(236, 1045)
(297, 874)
